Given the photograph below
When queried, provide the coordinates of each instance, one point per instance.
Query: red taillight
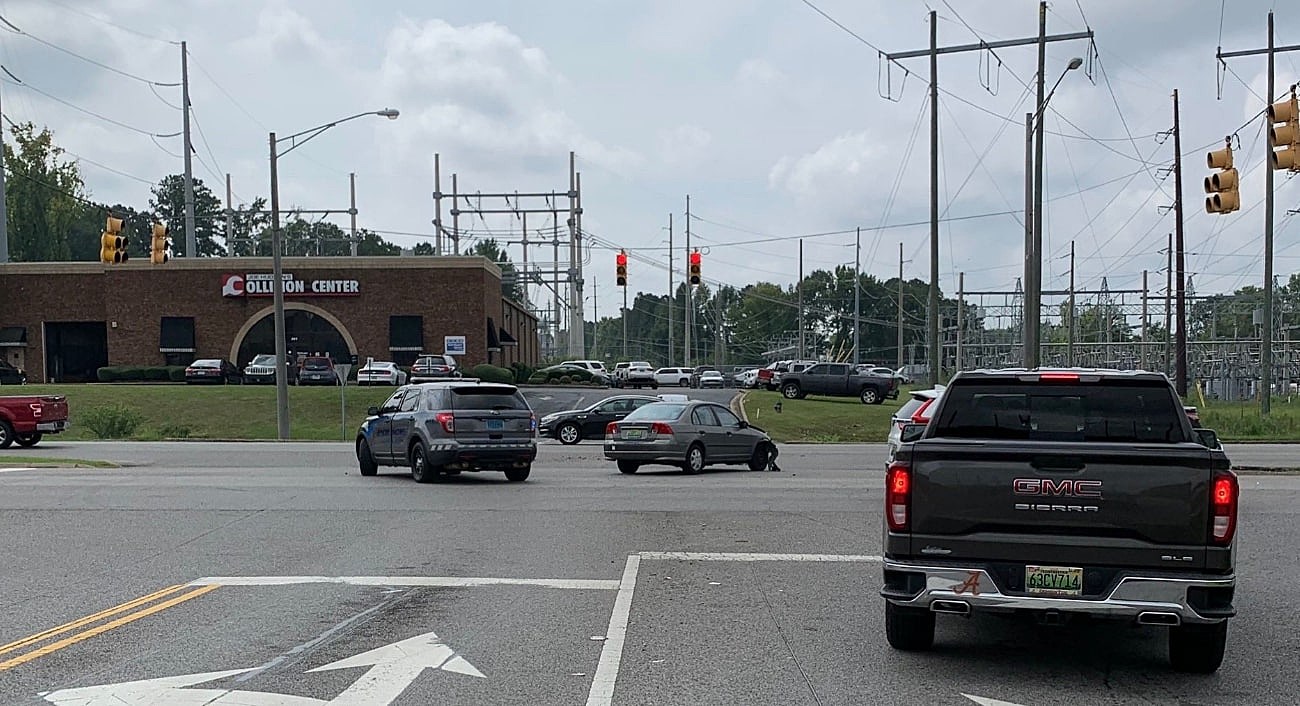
(38, 409)
(1070, 377)
(898, 497)
(919, 416)
(661, 428)
(611, 429)
(1223, 508)
(447, 420)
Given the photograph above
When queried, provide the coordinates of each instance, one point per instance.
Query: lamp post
(277, 271)
(1034, 228)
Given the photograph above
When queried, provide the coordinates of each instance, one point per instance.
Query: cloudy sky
(776, 121)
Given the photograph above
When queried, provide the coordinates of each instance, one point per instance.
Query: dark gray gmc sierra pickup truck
(1062, 494)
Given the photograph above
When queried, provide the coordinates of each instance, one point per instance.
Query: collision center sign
(260, 285)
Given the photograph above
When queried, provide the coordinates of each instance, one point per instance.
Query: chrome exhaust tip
(951, 607)
(1152, 617)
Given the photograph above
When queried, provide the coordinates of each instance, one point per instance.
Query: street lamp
(277, 271)
(1033, 277)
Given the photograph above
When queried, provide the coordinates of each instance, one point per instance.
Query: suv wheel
(1197, 648)
(790, 391)
(421, 471)
(518, 475)
(568, 434)
(365, 459)
(869, 396)
(908, 629)
(684, 382)
(694, 464)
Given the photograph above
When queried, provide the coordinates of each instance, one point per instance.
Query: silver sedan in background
(686, 434)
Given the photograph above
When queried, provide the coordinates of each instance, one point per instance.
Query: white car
(747, 379)
(593, 365)
(381, 372)
(711, 378)
(914, 411)
(674, 376)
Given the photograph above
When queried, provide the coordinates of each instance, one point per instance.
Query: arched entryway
(308, 330)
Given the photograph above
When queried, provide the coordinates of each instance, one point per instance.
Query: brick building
(61, 321)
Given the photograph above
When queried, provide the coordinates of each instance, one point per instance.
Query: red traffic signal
(620, 262)
(621, 259)
(695, 257)
(694, 270)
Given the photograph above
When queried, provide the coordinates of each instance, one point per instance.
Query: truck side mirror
(1208, 438)
(911, 432)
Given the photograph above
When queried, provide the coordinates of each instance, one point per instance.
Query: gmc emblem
(1065, 487)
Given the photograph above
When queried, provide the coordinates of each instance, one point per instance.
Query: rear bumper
(482, 456)
(1195, 599)
(662, 451)
(52, 427)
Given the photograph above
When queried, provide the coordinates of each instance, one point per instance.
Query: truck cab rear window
(1115, 413)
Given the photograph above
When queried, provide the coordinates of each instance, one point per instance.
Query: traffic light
(1284, 132)
(1222, 186)
(620, 261)
(160, 249)
(112, 244)
(695, 267)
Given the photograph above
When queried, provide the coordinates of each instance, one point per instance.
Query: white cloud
(684, 144)
(834, 170)
(758, 73)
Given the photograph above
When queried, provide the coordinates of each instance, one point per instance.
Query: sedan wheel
(568, 434)
(694, 460)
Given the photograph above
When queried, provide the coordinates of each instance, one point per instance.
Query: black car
(317, 370)
(9, 375)
(575, 425)
(218, 371)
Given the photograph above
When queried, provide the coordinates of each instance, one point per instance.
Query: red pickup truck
(28, 418)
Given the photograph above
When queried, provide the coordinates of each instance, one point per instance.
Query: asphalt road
(257, 563)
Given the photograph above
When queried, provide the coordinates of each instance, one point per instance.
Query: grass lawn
(1240, 421)
(820, 419)
(214, 411)
(47, 462)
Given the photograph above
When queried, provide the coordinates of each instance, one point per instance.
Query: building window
(176, 340)
(405, 338)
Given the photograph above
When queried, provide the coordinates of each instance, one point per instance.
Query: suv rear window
(909, 408)
(475, 397)
(1123, 411)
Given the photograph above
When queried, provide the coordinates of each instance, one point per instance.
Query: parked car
(444, 428)
(576, 373)
(769, 376)
(680, 377)
(217, 371)
(838, 380)
(899, 378)
(697, 371)
(711, 378)
(572, 426)
(914, 411)
(9, 375)
(25, 420)
(592, 365)
(619, 373)
(429, 367)
(688, 434)
(747, 379)
(381, 372)
(317, 370)
(640, 374)
(262, 370)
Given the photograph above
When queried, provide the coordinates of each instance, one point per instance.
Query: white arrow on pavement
(394, 667)
(984, 701)
(172, 691)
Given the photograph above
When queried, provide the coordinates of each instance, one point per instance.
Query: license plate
(496, 425)
(314, 377)
(1054, 580)
(634, 434)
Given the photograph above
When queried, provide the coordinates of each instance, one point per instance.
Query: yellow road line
(101, 629)
(80, 622)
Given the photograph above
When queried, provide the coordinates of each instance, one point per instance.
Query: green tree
(248, 228)
(168, 204)
(44, 195)
(511, 287)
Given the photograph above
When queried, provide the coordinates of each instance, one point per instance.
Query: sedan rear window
(656, 412)
(498, 398)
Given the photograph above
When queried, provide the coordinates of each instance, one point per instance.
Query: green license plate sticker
(1054, 580)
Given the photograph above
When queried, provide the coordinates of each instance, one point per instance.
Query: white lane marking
(752, 556)
(342, 625)
(11, 470)
(611, 654)
(983, 701)
(395, 667)
(436, 581)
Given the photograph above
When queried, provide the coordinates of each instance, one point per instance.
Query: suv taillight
(898, 497)
(919, 417)
(447, 420)
(1223, 508)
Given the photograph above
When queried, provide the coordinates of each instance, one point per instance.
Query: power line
(15, 29)
(91, 161)
(226, 93)
(110, 23)
(19, 82)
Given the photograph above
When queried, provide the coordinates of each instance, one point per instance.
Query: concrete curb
(738, 405)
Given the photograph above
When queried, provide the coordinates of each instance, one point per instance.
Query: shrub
(171, 430)
(523, 372)
(492, 373)
(132, 373)
(176, 373)
(115, 421)
(157, 374)
(537, 379)
(106, 374)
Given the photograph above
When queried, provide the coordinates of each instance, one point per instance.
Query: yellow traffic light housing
(1222, 185)
(160, 248)
(112, 244)
(1284, 132)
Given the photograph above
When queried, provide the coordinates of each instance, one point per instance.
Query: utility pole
(689, 315)
(230, 217)
(577, 262)
(523, 281)
(352, 210)
(857, 296)
(900, 305)
(1142, 352)
(719, 345)
(1180, 341)
(1027, 354)
(1266, 331)
(624, 323)
(671, 352)
(961, 304)
(1169, 291)
(437, 205)
(1069, 330)
(455, 224)
(1034, 288)
(191, 244)
(801, 340)
(4, 210)
(933, 53)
